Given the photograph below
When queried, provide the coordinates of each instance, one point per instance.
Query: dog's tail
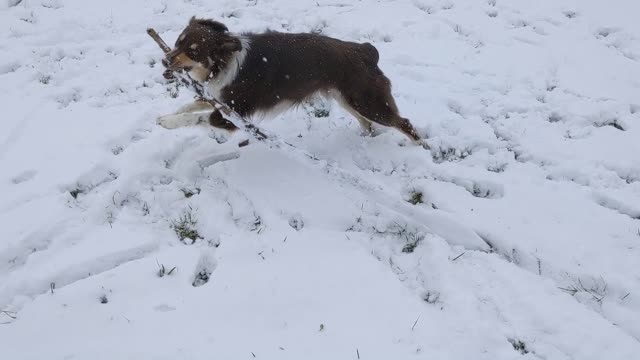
(370, 54)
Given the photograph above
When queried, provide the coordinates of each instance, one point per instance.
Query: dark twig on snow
(457, 257)
(415, 323)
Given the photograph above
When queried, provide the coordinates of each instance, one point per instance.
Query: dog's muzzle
(175, 60)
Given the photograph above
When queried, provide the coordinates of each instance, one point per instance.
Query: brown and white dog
(260, 72)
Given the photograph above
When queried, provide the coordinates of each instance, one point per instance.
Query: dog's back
(281, 67)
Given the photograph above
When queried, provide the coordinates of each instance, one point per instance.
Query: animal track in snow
(74, 272)
(477, 188)
(91, 180)
(450, 154)
(617, 206)
(243, 212)
(606, 31)
(24, 176)
(206, 265)
(121, 143)
(15, 256)
(615, 123)
(9, 68)
(164, 308)
(430, 7)
(618, 40)
(296, 222)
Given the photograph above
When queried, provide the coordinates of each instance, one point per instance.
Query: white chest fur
(230, 71)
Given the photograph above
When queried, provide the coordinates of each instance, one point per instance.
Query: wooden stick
(156, 37)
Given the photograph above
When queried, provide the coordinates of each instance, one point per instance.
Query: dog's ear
(215, 25)
(232, 44)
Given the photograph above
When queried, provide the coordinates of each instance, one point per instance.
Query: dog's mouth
(178, 61)
(175, 65)
(193, 69)
(178, 67)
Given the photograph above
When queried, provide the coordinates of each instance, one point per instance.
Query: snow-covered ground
(516, 237)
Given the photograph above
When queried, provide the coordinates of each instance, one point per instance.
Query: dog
(260, 72)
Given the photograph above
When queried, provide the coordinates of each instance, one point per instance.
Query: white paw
(175, 121)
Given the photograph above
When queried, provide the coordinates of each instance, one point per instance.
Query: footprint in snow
(163, 308)
(618, 206)
(618, 40)
(24, 176)
(479, 188)
(605, 32)
(9, 68)
(91, 180)
(205, 267)
(296, 222)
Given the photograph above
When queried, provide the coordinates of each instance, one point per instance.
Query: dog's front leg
(216, 119)
(200, 113)
(195, 113)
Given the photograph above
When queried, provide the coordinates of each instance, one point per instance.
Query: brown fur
(256, 72)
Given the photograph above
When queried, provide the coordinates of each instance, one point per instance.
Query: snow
(525, 244)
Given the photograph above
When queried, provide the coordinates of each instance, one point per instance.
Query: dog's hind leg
(406, 128)
(382, 114)
(374, 103)
(365, 124)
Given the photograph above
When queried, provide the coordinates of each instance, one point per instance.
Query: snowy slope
(523, 242)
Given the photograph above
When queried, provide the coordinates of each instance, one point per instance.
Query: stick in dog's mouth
(168, 74)
(156, 37)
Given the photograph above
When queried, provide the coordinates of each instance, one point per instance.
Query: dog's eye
(191, 53)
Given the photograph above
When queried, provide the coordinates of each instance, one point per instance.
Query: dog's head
(203, 49)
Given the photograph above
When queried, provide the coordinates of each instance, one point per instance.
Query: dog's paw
(170, 121)
(377, 131)
(175, 121)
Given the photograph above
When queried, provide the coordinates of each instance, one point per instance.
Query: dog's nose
(170, 58)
